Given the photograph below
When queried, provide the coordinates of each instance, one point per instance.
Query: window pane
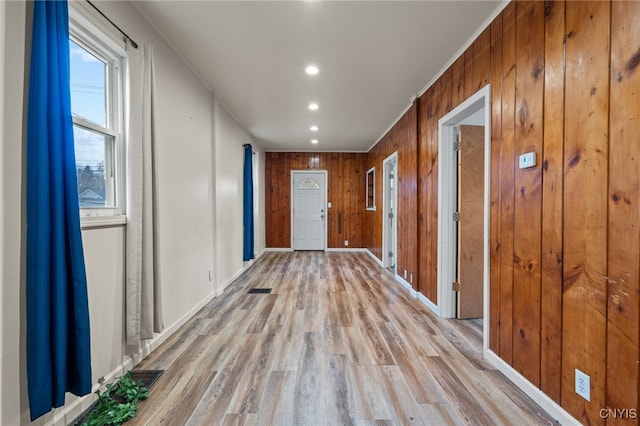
(88, 83)
(94, 162)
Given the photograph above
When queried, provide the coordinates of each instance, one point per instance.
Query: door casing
(389, 231)
(447, 171)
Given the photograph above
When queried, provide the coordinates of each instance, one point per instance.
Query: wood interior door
(471, 221)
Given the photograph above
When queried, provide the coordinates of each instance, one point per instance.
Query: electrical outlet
(583, 385)
(346, 243)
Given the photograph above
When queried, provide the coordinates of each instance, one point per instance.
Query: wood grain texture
(564, 237)
(507, 189)
(482, 60)
(457, 82)
(346, 192)
(528, 190)
(623, 319)
(422, 196)
(426, 244)
(495, 203)
(403, 139)
(552, 192)
(393, 362)
(584, 300)
(471, 223)
(469, 86)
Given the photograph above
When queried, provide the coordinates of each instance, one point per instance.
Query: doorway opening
(389, 213)
(464, 154)
(308, 204)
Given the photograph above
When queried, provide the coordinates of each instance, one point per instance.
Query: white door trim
(326, 196)
(385, 203)
(447, 191)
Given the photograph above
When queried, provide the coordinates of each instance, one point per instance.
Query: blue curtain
(248, 204)
(58, 345)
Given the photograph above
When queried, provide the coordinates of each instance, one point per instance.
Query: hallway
(337, 341)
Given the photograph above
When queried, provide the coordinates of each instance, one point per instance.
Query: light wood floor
(337, 342)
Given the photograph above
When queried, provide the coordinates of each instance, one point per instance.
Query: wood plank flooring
(337, 342)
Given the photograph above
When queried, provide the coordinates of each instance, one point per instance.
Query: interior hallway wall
(229, 138)
(401, 138)
(185, 215)
(345, 192)
(564, 235)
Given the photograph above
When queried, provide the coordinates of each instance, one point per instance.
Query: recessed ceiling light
(313, 128)
(313, 106)
(314, 141)
(311, 70)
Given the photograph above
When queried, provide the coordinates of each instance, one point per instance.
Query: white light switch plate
(527, 160)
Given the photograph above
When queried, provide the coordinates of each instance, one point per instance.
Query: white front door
(390, 221)
(308, 214)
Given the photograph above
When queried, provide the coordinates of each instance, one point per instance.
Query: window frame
(101, 45)
(370, 189)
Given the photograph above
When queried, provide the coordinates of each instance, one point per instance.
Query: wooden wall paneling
(274, 226)
(528, 184)
(349, 199)
(345, 191)
(432, 287)
(494, 212)
(285, 190)
(468, 73)
(425, 165)
(374, 218)
(623, 325)
(332, 213)
(482, 60)
(411, 154)
(507, 166)
(359, 182)
(552, 187)
(585, 199)
(457, 82)
(268, 199)
(344, 218)
(423, 195)
(446, 102)
(362, 170)
(438, 109)
(445, 96)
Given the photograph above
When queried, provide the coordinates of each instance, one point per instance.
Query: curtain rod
(126, 36)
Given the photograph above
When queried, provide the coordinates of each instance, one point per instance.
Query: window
(371, 189)
(96, 106)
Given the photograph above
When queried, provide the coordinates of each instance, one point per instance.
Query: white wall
(229, 138)
(188, 191)
(13, 368)
(2, 64)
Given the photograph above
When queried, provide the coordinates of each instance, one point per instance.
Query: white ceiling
(374, 56)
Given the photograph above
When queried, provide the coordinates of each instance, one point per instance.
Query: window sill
(90, 222)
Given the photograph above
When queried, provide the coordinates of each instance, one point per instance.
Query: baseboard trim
(65, 415)
(346, 250)
(550, 406)
(375, 258)
(406, 285)
(278, 249)
(429, 304)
